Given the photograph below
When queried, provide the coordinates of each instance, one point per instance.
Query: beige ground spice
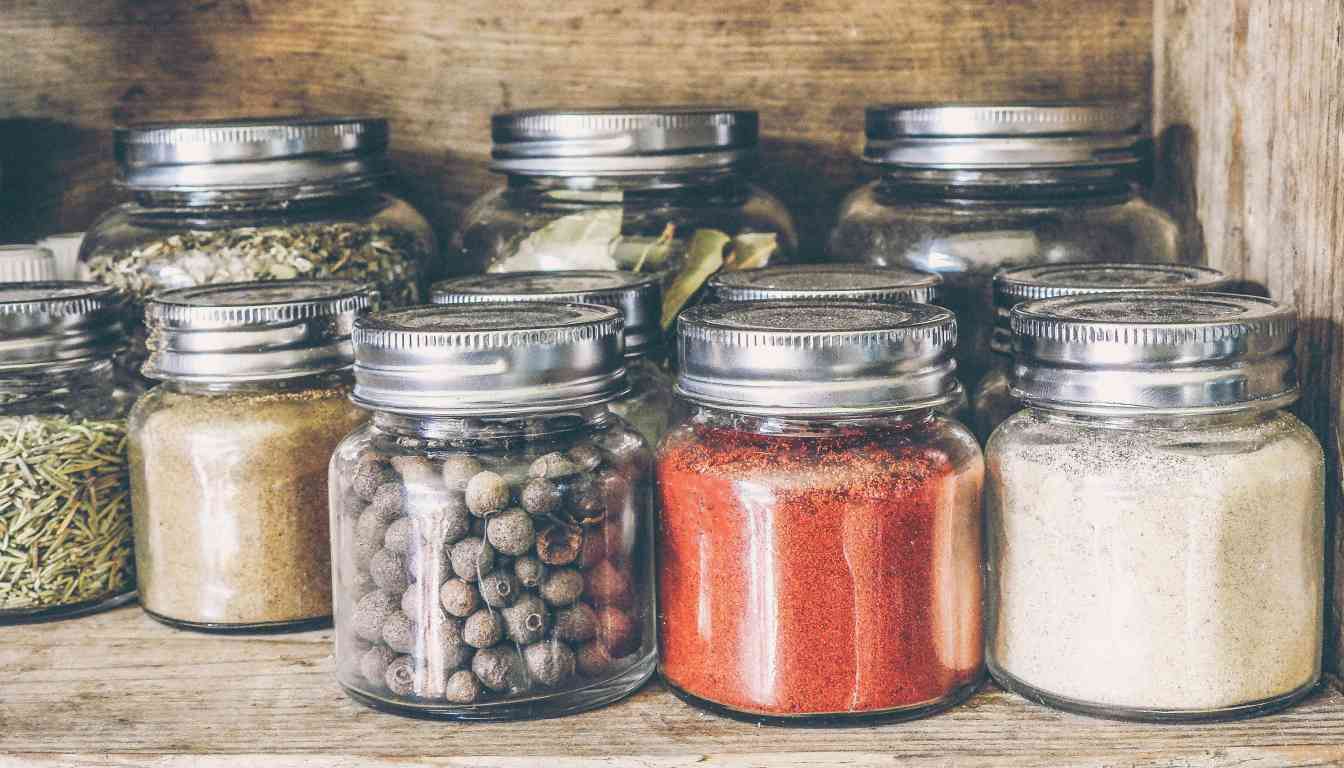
(230, 501)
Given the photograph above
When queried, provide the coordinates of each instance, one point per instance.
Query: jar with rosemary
(491, 525)
(229, 453)
(65, 512)
(658, 190)
(256, 199)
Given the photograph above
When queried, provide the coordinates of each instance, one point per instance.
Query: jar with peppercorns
(491, 540)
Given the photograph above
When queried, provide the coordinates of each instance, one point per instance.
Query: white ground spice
(1161, 569)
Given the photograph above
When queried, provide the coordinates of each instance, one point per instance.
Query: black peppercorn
(370, 613)
(398, 632)
(510, 532)
(373, 663)
(587, 456)
(462, 687)
(499, 668)
(549, 662)
(593, 660)
(559, 545)
(398, 535)
(472, 558)
(562, 586)
(459, 598)
(458, 469)
(529, 570)
(576, 624)
(388, 570)
(369, 473)
(487, 492)
(482, 629)
(400, 676)
(527, 620)
(540, 496)
(553, 466)
(499, 588)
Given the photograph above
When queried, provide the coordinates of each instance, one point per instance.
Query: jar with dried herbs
(649, 402)
(644, 190)
(491, 525)
(65, 512)
(229, 453)
(257, 199)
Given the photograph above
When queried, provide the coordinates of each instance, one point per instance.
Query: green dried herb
(65, 517)
(704, 257)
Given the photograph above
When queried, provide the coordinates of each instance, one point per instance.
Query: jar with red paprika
(819, 540)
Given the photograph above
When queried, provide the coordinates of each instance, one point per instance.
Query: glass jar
(819, 531)
(638, 297)
(229, 454)
(491, 524)
(968, 190)
(65, 513)
(1155, 517)
(645, 190)
(993, 401)
(266, 199)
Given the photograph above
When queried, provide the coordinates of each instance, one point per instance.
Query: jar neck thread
(808, 425)
(336, 191)
(542, 425)
(1148, 422)
(315, 381)
(613, 189)
(1046, 185)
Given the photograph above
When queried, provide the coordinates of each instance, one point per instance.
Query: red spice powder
(806, 575)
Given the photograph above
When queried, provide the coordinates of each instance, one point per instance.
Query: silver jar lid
(986, 136)
(250, 153)
(1154, 353)
(1049, 281)
(489, 359)
(622, 141)
(26, 263)
(58, 322)
(258, 331)
(827, 282)
(639, 297)
(817, 359)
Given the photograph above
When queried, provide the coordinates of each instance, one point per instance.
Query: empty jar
(968, 190)
(659, 190)
(993, 402)
(1155, 514)
(492, 523)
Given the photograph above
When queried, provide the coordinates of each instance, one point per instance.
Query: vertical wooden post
(1248, 102)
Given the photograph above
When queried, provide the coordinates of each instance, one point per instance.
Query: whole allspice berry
(562, 586)
(399, 535)
(462, 687)
(390, 497)
(549, 662)
(499, 668)
(510, 532)
(593, 549)
(399, 633)
(559, 544)
(499, 588)
(373, 663)
(527, 620)
(452, 508)
(416, 471)
(388, 570)
(410, 600)
(373, 522)
(553, 466)
(541, 496)
(400, 676)
(587, 456)
(459, 598)
(369, 473)
(608, 584)
(593, 660)
(487, 492)
(529, 570)
(472, 558)
(576, 624)
(458, 469)
(482, 629)
(617, 631)
(371, 612)
(363, 550)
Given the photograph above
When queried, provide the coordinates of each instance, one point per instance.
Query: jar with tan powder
(229, 454)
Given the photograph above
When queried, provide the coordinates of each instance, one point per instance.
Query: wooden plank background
(1249, 102)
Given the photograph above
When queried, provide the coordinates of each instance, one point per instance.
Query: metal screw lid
(1154, 353)
(981, 136)
(257, 331)
(639, 297)
(489, 359)
(623, 141)
(26, 264)
(817, 359)
(251, 153)
(1048, 281)
(55, 323)
(818, 282)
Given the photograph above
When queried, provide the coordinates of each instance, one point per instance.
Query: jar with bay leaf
(660, 190)
(257, 199)
(229, 453)
(65, 513)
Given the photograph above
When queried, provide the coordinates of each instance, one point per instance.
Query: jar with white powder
(1155, 516)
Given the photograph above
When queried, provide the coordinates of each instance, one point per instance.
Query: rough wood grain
(119, 690)
(1249, 100)
(73, 68)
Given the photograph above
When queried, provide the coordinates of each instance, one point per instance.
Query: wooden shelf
(118, 689)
